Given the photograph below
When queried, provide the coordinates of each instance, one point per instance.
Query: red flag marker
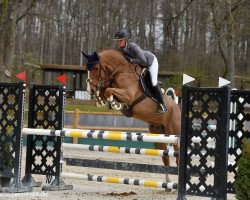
(22, 76)
(176, 92)
(62, 79)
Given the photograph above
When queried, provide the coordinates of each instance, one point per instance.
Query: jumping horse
(115, 81)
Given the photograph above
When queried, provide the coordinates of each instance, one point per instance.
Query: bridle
(106, 80)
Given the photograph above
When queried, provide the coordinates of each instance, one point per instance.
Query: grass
(84, 105)
(86, 108)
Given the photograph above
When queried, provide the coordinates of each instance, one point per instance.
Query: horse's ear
(96, 56)
(85, 55)
(93, 59)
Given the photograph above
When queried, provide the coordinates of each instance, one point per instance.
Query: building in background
(76, 86)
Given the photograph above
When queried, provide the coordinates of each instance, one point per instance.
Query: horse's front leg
(100, 100)
(116, 97)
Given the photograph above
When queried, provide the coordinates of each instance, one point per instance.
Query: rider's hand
(128, 58)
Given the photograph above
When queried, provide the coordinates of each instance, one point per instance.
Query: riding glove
(128, 58)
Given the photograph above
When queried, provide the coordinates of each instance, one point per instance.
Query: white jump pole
(115, 149)
(107, 135)
(126, 181)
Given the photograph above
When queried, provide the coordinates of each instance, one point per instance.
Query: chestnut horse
(114, 80)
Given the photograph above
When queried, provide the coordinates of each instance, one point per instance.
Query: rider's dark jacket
(137, 55)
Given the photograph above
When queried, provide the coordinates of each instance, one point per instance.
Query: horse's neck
(129, 77)
(118, 65)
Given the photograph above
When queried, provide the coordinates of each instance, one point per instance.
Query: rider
(134, 54)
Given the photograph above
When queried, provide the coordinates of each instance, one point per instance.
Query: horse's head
(101, 69)
(93, 68)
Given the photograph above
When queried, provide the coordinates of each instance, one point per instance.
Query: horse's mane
(112, 49)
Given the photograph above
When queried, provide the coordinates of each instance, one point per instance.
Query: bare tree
(11, 13)
(198, 37)
(7, 33)
(224, 14)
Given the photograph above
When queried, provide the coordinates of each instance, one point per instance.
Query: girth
(128, 110)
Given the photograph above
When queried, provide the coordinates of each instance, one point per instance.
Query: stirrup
(161, 109)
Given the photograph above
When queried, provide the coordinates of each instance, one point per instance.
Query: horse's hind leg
(159, 129)
(165, 159)
(176, 129)
(177, 149)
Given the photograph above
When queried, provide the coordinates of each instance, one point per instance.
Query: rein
(135, 72)
(112, 75)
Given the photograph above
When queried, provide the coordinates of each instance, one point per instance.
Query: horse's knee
(108, 93)
(162, 146)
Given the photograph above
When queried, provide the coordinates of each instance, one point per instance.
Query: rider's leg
(153, 70)
(162, 107)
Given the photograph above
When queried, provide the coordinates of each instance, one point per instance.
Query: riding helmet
(122, 34)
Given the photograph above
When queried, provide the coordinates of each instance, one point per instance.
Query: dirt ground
(89, 190)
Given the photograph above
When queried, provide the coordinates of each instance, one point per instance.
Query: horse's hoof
(167, 179)
(117, 106)
(102, 103)
(98, 104)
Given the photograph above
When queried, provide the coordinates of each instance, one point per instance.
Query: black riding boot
(161, 106)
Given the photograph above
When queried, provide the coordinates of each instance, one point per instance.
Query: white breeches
(153, 70)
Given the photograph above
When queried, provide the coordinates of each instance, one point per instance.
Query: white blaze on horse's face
(92, 80)
(88, 85)
(93, 86)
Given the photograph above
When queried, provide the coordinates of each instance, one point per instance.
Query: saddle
(147, 86)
